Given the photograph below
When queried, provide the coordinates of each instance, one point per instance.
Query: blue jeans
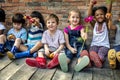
(70, 55)
(117, 48)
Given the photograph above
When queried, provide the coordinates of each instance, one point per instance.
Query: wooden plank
(106, 64)
(43, 74)
(102, 74)
(85, 74)
(60, 75)
(4, 61)
(24, 73)
(6, 73)
(117, 74)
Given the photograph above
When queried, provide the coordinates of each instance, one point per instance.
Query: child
(114, 53)
(100, 42)
(34, 38)
(15, 35)
(2, 20)
(73, 47)
(53, 40)
(2, 28)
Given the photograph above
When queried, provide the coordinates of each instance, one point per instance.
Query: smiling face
(52, 24)
(100, 16)
(74, 18)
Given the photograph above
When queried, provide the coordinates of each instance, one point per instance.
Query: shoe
(118, 56)
(10, 55)
(54, 62)
(23, 54)
(63, 62)
(38, 62)
(96, 59)
(85, 53)
(112, 58)
(84, 61)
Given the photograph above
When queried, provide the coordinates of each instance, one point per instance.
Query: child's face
(74, 18)
(51, 24)
(17, 26)
(99, 16)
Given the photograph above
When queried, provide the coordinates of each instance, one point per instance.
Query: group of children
(60, 46)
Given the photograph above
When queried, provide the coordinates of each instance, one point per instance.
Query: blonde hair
(76, 11)
(52, 16)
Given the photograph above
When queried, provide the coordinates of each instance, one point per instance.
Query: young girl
(15, 35)
(100, 42)
(114, 54)
(34, 38)
(53, 40)
(2, 28)
(73, 47)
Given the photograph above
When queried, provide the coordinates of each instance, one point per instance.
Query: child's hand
(93, 2)
(11, 37)
(84, 36)
(73, 50)
(51, 55)
(36, 23)
(108, 15)
(47, 52)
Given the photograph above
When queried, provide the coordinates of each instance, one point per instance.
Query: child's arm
(73, 50)
(59, 49)
(90, 11)
(46, 49)
(90, 8)
(109, 17)
(83, 34)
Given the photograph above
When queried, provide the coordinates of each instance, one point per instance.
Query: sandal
(112, 58)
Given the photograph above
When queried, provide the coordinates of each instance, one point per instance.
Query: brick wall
(59, 7)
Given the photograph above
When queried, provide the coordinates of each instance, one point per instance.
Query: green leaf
(80, 39)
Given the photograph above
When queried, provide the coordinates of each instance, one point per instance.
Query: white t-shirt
(2, 26)
(100, 38)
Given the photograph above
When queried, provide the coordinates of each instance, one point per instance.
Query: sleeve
(61, 38)
(44, 38)
(24, 35)
(66, 30)
(2, 27)
(9, 32)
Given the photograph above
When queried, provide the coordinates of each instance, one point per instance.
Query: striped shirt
(35, 34)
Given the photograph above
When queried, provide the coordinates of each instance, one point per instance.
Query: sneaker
(112, 58)
(63, 62)
(84, 61)
(96, 59)
(38, 62)
(118, 56)
(10, 55)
